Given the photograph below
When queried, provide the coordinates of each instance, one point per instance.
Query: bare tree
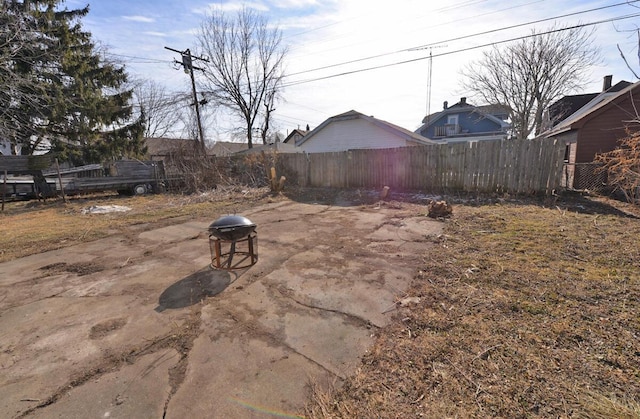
(529, 75)
(189, 124)
(268, 109)
(162, 111)
(245, 64)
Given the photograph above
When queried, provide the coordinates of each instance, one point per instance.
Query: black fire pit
(229, 236)
(231, 227)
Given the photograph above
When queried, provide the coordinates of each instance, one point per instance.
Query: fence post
(64, 197)
(4, 189)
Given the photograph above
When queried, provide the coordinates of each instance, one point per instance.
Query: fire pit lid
(231, 221)
(231, 227)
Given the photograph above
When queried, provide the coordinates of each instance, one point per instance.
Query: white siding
(352, 134)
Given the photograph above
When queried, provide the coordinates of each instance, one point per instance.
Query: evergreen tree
(68, 97)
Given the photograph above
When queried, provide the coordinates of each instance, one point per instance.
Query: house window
(452, 127)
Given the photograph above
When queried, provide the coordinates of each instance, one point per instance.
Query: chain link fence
(585, 176)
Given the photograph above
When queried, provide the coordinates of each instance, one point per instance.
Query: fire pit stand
(233, 242)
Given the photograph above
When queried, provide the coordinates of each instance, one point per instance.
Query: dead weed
(525, 311)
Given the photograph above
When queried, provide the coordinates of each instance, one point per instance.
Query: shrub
(622, 166)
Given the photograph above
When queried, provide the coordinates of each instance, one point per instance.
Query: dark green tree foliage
(68, 96)
(18, 91)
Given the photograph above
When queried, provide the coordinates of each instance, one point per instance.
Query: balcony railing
(447, 130)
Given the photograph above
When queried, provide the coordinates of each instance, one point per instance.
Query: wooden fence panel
(555, 174)
(525, 166)
(507, 156)
(297, 166)
(519, 162)
(359, 169)
(460, 162)
(486, 165)
(471, 172)
(526, 169)
(492, 178)
(542, 160)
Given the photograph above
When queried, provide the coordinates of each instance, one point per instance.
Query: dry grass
(525, 311)
(528, 309)
(32, 227)
(604, 407)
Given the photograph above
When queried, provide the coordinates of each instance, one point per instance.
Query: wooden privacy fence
(513, 166)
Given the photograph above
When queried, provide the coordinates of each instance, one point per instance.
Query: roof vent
(606, 83)
(445, 105)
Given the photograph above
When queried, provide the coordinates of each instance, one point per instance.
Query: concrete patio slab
(141, 325)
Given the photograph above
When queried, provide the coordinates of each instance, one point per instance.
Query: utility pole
(187, 63)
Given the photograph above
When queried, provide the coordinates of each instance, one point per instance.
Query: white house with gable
(353, 130)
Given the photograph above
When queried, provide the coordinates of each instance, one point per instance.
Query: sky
(328, 39)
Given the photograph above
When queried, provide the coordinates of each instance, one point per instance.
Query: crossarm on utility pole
(187, 63)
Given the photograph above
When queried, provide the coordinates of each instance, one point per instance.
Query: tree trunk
(249, 136)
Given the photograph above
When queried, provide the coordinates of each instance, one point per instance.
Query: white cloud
(159, 34)
(142, 19)
(232, 6)
(294, 4)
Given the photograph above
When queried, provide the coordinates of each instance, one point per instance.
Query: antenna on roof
(429, 74)
(429, 85)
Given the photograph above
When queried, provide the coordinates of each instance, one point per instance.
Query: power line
(295, 83)
(422, 17)
(530, 23)
(284, 119)
(425, 46)
(144, 60)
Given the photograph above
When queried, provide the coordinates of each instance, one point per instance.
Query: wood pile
(440, 209)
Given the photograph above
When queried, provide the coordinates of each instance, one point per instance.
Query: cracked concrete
(139, 325)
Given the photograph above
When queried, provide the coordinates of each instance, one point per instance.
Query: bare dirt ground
(515, 308)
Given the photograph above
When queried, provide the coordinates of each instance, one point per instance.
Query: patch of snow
(105, 209)
(409, 300)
